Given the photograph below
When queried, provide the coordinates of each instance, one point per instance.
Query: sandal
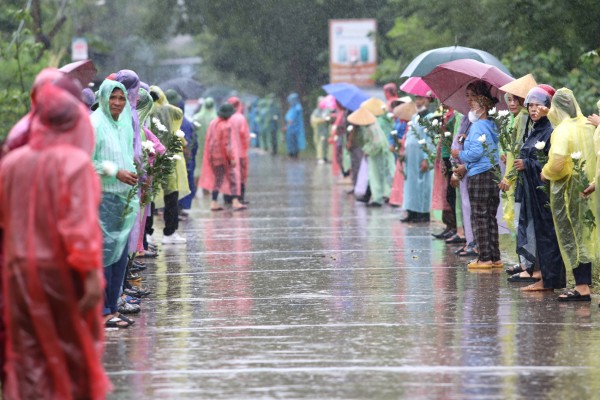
(467, 253)
(515, 269)
(455, 239)
(125, 319)
(240, 208)
(573, 295)
(533, 288)
(217, 209)
(517, 278)
(116, 323)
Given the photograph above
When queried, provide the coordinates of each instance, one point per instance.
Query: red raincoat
(49, 198)
(219, 150)
(240, 126)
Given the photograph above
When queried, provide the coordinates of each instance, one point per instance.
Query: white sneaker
(150, 239)
(173, 239)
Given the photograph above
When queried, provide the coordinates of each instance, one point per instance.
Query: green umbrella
(425, 62)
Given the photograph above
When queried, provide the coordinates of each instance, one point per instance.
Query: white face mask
(473, 117)
(421, 109)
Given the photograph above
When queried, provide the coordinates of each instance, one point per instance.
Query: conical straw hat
(375, 106)
(405, 111)
(362, 117)
(520, 87)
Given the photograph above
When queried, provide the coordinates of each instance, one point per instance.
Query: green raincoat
(381, 162)
(114, 145)
(207, 113)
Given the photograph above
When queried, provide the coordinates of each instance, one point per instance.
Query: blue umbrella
(348, 95)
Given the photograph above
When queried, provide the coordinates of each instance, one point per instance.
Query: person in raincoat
(202, 119)
(380, 159)
(419, 177)
(481, 158)
(220, 159)
(294, 129)
(49, 198)
(536, 236)
(572, 144)
(166, 120)
(320, 127)
(190, 150)
(242, 131)
(114, 160)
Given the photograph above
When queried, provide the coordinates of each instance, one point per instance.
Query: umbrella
(417, 86)
(84, 71)
(347, 95)
(449, 81)
(425, 62)
(186, 87)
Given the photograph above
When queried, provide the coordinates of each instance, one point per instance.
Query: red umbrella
(418, 87)
(449, 81)
(84, 71)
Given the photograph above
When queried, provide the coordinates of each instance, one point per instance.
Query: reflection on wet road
(308, 295)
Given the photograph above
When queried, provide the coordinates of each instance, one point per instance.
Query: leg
(171, 214)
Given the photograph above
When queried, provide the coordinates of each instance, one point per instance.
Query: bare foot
(536, 287)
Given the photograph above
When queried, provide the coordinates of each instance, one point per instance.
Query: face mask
(473, 117)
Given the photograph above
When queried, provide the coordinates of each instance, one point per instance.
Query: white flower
(481, 138)
(180, 134)
(435, 122)
(418, 117)
(492, 111)
(383, 108)
(540, 145)
(176, 157)
(394, 132)
(390, 115)
(109, 168)
(155, 121)
(425, 130)
(447, 134)
(577, 155)
(422, 142)
(327, 118)
(335, 138)
(253, 135)
(503, 113)
(350, 128)
(148, 146)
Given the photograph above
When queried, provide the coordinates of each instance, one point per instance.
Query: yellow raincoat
(572, 134)
(508, 203)
(171, 117)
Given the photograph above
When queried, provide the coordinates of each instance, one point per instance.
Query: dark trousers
(114, 275)
(449, 216)
(583, 274)
(485, 199)
(171, 214)
(356, 156)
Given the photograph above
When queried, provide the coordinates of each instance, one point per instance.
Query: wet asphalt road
(308, 295)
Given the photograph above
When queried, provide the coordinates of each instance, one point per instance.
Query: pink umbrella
(449, 81)
(328, 102)
(415, 85)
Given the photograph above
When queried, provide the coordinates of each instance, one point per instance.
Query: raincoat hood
(106, 89)
(226, 111)
(88, 97)
(564, 106)
(293, 98)
(173, 97)
(160, 95)
(60, 119)
(144, 105)
(236, 103)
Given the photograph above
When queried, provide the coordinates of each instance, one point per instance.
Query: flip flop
(241, 208)
(116, 323)
(515, 278)
(573, 295)
(455, 239)
(217, 209)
